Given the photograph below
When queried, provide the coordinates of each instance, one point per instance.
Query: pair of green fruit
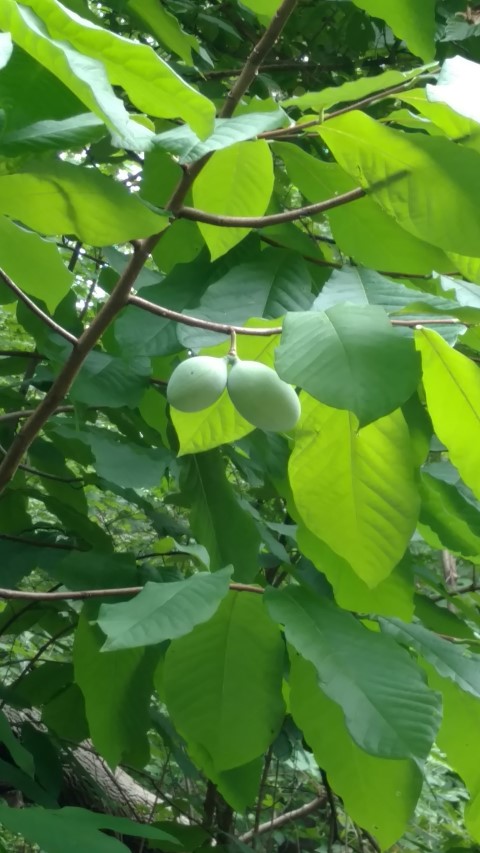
(256, 391)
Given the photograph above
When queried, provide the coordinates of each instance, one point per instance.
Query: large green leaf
(218, 522)
(392, 597)
(389, 710)
(353, 90)
(149, 82)
(277, 282)
(116, 687)
(452, 389)
(411, 21)
(163, 611)
(362, 231)
(34, 264)
(59, 198)
(70, 830)
(378, 793)
(237, 181)
(450, 661)
(73, 133)
(401, 170)
(355, 489)
(451, 516)
(223, 682)
(349, 357)
(164, 26)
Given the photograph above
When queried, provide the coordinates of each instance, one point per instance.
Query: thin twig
(82, 594)
(261, 791)
(196, 215)
(254, 61)
(19, 353)
(282, 819)
(35, 309)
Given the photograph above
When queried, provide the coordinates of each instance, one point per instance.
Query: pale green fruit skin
(261, 397)
(197, 383)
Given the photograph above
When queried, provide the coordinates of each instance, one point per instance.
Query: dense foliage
(274, 633)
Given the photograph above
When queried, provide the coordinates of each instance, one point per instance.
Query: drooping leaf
(163, 611)
(349, 357)
(149, 82)
(165, 26)
(400, 169)
(237, 181)
(73, 133)
(452, 390)
(409, 20)
(21, 756)
(379, 793)
(215, 675)
(355, 489)
(389, 710)
(450, 516)
(117, 688)
(218, 521)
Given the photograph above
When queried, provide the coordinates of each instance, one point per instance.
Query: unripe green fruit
(197, 383)
(261, 397)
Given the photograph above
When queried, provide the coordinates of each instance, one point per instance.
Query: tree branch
(254, 61)
(35, 309)
(81, 595)
(80, 351)
(196, 215)
(282, 819)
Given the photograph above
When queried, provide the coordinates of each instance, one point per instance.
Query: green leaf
(456, 86)
(352, 90)
(379, 794)
(148, 81)
(6, 48)
(163, 611)
(69, 830)
(389, 710)
(35, 265)
(186, 145)
(54, 197)
(72, 133)
(355, 489)
(451, 516)
(411, 21)
(223, 682)
(360, 286)
(165, 27)
(453, 662)
(400, 169)
(237, 181)
(21, 756)
(452, 389)
(277, 282)
(362, 231)
(218, 521)
(124, 463)
(262, 8)
(105, 380)
(392, 597)
(116, 687)
(349, 357)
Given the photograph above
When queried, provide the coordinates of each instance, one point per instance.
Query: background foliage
(210, 633)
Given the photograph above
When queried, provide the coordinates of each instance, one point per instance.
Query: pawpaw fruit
(261, 397)
(197, 383)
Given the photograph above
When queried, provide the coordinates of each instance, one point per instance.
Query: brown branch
(80, 595)
(371, 99)
(282, 65)
(282, 819)
(80, 351)
(35, 309)
(221, 221)
(254, 61)
(19, 353)
(210, 326)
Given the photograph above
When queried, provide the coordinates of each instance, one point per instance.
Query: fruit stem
(233, 343)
